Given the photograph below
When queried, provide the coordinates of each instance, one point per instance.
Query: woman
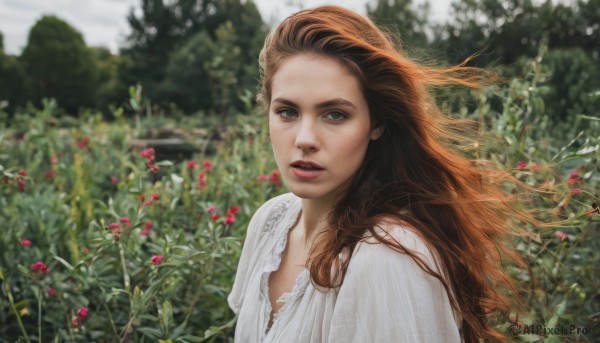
(388, 234)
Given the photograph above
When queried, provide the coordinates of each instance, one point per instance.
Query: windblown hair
(416, 172)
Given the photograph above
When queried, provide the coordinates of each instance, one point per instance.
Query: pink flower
(125, 220)
(21, 172)
(51, 291)
(561, 235)
(156, 259)
(573, 177)
(521, 165)
(147, 227)
(85, 250)
(207, 165)
(229, 218)
(39, 267)
(82, 312)
(215, 217)
(113, 226)
(191, 164)
(25, 242)
(152, 198)
(21, 184)
(233, 209)
(49, 174)
(201, 180)
(275, 177)
(262, 178)
(148, 154)
(83, 142)
(211, 209)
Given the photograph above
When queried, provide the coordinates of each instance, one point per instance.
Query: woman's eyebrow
(328, 103)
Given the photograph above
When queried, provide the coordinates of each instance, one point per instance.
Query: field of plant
(108, 237)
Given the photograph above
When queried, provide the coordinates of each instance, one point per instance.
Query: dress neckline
(289, 220)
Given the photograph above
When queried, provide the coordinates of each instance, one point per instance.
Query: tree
(162, 32)
(58, 64)
(402, 18)
(109, 90)
(12, 80)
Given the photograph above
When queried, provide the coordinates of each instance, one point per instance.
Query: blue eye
(336, 115)
(286, 113)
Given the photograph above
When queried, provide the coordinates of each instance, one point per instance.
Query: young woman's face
(319, 125)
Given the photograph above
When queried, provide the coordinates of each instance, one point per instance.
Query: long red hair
(416, 172)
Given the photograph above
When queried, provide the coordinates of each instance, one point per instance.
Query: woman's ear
(376, 132)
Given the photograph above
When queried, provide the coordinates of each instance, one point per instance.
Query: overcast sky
(103, 22)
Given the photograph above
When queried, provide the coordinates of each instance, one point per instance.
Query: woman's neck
(313, 219)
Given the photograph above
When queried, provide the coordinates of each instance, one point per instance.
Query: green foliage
(12, 83)
(76, 181)
(402, 19)
(201, 74)
(165, 35)
(107, 66)
(80, 176)
(58, 64)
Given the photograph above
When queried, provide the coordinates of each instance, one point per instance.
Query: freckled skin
(335, 137)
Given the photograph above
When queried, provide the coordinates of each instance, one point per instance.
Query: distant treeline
(201, 55)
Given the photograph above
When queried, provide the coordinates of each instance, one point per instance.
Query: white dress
(385, 295)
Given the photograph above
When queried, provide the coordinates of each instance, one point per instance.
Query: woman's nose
(307, 136)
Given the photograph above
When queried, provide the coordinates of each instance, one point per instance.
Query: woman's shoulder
(395, 233)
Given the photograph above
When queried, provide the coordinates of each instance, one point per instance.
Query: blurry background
(188, 53)
(132, 156)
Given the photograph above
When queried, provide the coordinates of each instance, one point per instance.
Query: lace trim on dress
(273, 263)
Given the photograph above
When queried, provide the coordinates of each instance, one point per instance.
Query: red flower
(156, 259)
(83, 142)
(152, 167)
(25, 242)
(148, 154)
(147, 227)
(82, 312)
(262, 178)
(49, 174)
(153, 197)
(191, 164)
(39, 267)
(275, 177)
(201, 180)
(207, 165)
(573, 177)
(51, 291)
(215, 217)
(85, 250)
(229, 218)
(21, 184)
(21, 172)
(125, 220)
(113, 226)
(561, 235)
(521, 165)
(114, 181)
(233, 209)
(211, 209)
